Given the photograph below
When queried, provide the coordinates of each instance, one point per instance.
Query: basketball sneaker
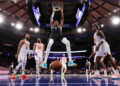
(44, 65)
(24, 77)
(96, 74)
(13, 76)
(71, 64)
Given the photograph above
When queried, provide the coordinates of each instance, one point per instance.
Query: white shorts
(39, 58)
(22, 57)
(103, 51)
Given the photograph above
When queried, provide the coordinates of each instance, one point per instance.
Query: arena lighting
(31, 29)
(115, 20)
(79, 30)
(1, 19)
(79, 14)
(12, 24)
(102, 25)
(37, 14)
(19, 26)
(36, 30)
(84, 30)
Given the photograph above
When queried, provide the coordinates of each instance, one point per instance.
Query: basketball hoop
(57, 5)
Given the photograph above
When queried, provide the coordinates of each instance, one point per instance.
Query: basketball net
(57, 5)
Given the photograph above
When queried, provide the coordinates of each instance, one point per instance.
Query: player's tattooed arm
(62, 18)
(34, 49)
(19, 47)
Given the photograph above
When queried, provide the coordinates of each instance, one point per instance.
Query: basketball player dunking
(56, 34)
(38, 50)
(22, 51)
(102, 49)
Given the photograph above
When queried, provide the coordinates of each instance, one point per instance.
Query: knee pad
(51, 41)
(65, 41)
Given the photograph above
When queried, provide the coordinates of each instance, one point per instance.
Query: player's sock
(17, 67)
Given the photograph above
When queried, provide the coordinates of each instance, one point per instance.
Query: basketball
(56, 65)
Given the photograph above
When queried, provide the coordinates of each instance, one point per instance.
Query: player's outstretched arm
(52, 16)
(62, 17)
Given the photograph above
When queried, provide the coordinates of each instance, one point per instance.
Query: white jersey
(39, 48)
(39, 51)
(25, 47)
(104, 48)
(23, 51)
(97, 39)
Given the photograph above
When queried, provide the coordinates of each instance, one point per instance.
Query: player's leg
(37, 64)
(16, 69)
(103, 65)
(38, 61)
(23, 70)
(50, 43)
(115, 68)
(37, 67)
(96, 71)
(98, 56)
(113, 63)
(51, 71)
(65, 68)
(111, 59)
(95, 63)
(67, 43)
(62, 71)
